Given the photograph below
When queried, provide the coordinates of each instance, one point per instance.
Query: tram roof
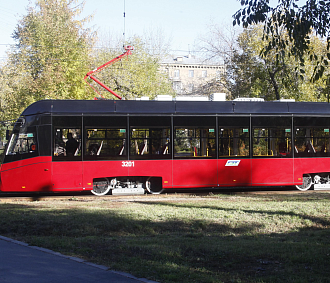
(99, 107)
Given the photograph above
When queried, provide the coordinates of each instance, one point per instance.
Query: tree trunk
(274, 83)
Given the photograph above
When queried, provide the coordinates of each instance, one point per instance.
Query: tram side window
(234, 142)
(67, 143)
(102, 143)
(194, 137)
(150, 143)
(272, 137)
(150, 137)
(194, 142)
(311, 142)
(312, 137)
(23, 143)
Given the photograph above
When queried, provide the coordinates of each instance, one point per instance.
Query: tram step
(320, 187)
(128, 191)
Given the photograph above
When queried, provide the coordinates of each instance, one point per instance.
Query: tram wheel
(101, 187)
(307, 183)
(154, 185)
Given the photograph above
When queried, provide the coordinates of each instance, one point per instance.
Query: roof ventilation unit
(254, 99)
(220, 96)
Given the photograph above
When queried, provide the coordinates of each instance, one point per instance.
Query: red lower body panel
(195, 173)
(29, 175)
(40, 174)
(272, 172)
(234, 172)
(67, 175)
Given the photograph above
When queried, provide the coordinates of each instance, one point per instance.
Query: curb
(105, 268)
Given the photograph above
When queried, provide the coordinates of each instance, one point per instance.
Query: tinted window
(105, 143)
(105, 138)
(150, 137)
(194, 137)
(67, 142)
(234, 137)
(272, 136)
(312, 137)
(23, 142)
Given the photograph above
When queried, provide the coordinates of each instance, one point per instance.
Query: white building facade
(189, 75)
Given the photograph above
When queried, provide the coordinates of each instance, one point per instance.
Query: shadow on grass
(176, 250)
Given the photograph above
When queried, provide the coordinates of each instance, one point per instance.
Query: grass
(180, 238)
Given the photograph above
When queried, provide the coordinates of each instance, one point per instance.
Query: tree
(50, 58)
(135, 76)
(299, 22)
(275, 80)
(267, 78)
(250, 75)
(220, 44)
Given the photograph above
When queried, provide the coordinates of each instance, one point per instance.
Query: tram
(134, 147)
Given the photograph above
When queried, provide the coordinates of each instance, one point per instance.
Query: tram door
(195, 163)
(234, 164)
(67, 155)
(272, 162)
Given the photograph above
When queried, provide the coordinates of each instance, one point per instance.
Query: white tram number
(127, 164)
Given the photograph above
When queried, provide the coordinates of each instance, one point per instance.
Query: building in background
(192, 76)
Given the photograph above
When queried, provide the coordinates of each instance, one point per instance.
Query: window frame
(279, 140)
(72, 124)
(239, 145)
(207, 144)
(145, 149)
(310, 145)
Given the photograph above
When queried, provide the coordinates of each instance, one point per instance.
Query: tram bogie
(316, 181)
(127, 186)
(322, 181)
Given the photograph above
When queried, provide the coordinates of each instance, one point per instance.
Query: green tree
(268, 76)
(248, 74)
(135, 76)
(298, 20)
(51, 56)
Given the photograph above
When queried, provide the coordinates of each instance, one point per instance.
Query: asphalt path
(21, 263)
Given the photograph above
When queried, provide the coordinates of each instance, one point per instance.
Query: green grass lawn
(182, 238)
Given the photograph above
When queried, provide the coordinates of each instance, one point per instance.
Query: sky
(181, 21)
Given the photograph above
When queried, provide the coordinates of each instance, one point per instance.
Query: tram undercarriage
(153, 185)
(127, 186)
(316, 181)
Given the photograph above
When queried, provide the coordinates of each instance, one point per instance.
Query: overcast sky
(180, 20)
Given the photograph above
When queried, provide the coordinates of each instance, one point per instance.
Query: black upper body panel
(101, 107)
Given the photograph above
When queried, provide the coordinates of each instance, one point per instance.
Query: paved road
(20, 263)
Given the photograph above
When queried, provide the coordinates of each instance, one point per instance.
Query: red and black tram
(133, 147)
